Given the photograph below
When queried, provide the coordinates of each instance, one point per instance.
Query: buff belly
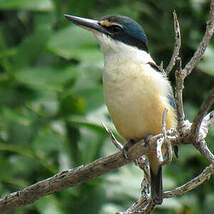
(136, 97)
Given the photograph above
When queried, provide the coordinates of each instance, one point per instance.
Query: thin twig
(204, 150)
(159, 150)
(195, 182)
(150, 208)
(161, 67)
(138, 205)
(145, 184)
(160, 142)
(166, 139)
(179, 94)
(83, 173)
(181, 74)
(177, 45)
(209, 120)
(143, 163)
(201, 133)
(103, 165)
(75, 176)
(203, 45)
(141, 206)
(144, 199)
(201, 114)
(113, 138)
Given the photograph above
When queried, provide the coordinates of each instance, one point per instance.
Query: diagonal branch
(113, 138)
(179, 94)
(208, 121)
(204, 150)
(177, 45)
(203, 45)
(84, 173)
(201, 114)
(74, 177)
(195, 182)
(166, 140)
(182, 73)
(103, 165)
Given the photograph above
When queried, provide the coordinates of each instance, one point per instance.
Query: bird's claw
(147, 139)
(126, 148)
(124, 151)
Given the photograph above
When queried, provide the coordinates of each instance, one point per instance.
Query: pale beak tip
(66, 16)
(70, 18)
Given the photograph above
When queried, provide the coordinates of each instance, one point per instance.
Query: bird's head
(115, 33)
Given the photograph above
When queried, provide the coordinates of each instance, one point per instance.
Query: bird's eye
(115, 28)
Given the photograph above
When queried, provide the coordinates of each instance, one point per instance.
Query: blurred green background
(51, 102)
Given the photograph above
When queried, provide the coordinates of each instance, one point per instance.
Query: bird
(136, 92)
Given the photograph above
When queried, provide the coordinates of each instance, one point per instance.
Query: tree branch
(177, 44)
(179, 94)
(204, 150)
(182, 73)
(166, 140)
(208, 121)
(203, 45)
(75, 176)
(87, 172)
(103, 165)
(195, 182)
(201, 114)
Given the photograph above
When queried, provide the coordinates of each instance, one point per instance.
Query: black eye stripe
(122, 34)
(114, 28)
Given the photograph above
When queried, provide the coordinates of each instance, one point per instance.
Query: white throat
(119, 51)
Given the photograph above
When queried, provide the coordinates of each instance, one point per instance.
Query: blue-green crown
(131, 33)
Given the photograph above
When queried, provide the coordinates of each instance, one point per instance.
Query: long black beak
(88, 24)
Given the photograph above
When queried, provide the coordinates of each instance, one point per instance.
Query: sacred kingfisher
(136, 92)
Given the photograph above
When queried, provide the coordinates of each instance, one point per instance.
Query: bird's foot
(126, 148)
(147, 139)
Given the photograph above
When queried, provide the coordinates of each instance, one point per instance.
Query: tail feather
(157, 186)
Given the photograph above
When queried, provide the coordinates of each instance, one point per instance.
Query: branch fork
(194, 133)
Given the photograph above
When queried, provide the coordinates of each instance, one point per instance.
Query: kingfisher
(136, 92)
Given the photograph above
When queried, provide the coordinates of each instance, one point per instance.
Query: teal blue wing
(171, 99)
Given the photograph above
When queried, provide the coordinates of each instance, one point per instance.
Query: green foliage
(39, 5)
(51, 101)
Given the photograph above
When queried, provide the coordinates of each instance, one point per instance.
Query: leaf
(74, 42)
(93, 97)
(36, 5)
(22, 150)
(85, 123)
(94, 119)
(30, 48)
(71, 104)
(15, 116)
(45, 77)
